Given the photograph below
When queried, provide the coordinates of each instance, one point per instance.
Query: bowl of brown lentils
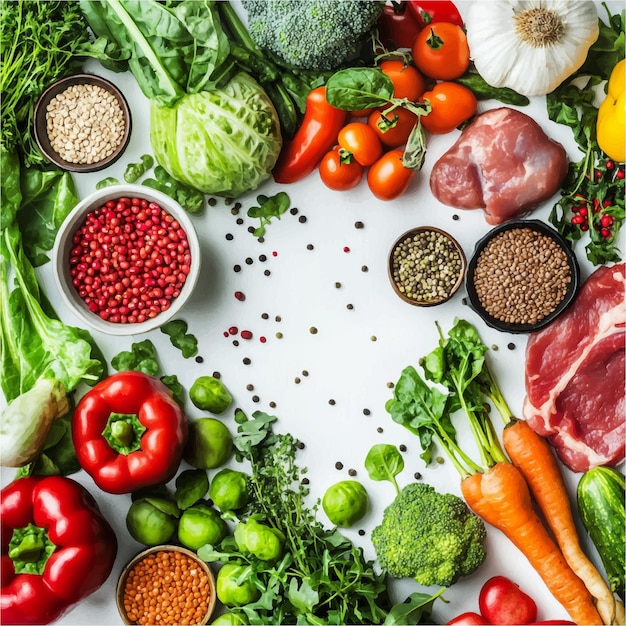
(166, 584)
(426, 266)
(126, 259)
(522, 276)
(82, 123)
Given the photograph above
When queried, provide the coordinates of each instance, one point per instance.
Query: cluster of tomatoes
(501, 601)
(375, 138)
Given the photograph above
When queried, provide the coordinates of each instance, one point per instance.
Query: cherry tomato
(501, 601)
(337, 174)
(468, 619)
(361, 141)
(441, 51)
(397, 27)
(407, 81)
(388, 178)
(397, 133)
(452, 104)
(426, 12)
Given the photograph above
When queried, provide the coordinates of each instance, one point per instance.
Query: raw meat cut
(576, 376)
(502, 163)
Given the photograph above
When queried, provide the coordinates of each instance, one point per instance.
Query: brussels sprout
(210, 394)
(345, 502)
(232, 591)
(152, 521)
(229, 490)
(210, 443)
(199, 525)
(258, 539)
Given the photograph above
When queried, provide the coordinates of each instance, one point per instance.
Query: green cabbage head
(222, 142)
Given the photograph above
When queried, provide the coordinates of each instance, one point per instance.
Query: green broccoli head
(429, 536)
(312, 34)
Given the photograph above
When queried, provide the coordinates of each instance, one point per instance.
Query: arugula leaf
(413, 610)
(269, 207)
(177, 332)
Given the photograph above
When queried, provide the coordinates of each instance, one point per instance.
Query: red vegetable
(338, 173)
(57, 548)
(554, 622)
(427, 12)
(468, 619)
(501, 601)
(388, 178)
(314, 138)
(397, 27)
(129, 433)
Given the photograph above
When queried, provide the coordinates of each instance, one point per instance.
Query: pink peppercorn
(246, 334)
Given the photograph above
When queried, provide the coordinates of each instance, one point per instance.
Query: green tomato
(258, 539)
(230, 618)
(199, 525)
(210, 443)
(210, 394)
(229, 490)
(230, 590)
(345, 502)
(152, 521)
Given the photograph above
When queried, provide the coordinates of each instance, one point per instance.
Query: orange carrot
(504, 501)
(532, 455)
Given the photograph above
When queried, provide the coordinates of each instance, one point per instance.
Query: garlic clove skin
(530, 46)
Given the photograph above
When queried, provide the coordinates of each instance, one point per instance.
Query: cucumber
(600, 496)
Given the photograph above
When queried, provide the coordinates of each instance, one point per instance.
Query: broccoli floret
(312, 34)
(429, 536)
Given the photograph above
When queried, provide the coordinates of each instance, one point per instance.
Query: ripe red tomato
(397, 134)
(501, 601)
(339, 175)
(441, 51)
(452, 104)
(468, 619)
(388, 178)
(360, 140)
(407, 81)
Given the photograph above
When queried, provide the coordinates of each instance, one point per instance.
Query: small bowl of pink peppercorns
(126, 259)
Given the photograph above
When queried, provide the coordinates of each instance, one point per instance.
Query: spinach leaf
(269, 207)
(173, 384)
(384, 462)
(189, 198)
(180, 338)
(359, 88)
(141, 357)
(134, 171)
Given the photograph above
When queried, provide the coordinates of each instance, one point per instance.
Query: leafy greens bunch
(590, 184)
(321, 577)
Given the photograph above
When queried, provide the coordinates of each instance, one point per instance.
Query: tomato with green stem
(340, 174)
(393, 128)
(388, 178)
(441, 51)
(361, 142)
(451, 105)
(407, 81)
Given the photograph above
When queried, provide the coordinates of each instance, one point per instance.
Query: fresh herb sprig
(269, 207)
(592, 202)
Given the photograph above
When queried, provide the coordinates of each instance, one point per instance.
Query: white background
(342, 360)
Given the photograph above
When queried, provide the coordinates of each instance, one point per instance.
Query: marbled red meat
(576, 375)
(502, 163)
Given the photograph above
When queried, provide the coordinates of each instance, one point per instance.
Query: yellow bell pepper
(611, 125)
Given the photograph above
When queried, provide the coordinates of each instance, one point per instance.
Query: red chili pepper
(397, 27)
(314, 138)
(129, 433)
(427, 12)
(57, 548)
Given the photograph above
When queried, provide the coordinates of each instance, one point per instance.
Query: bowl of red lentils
(166, 584)
(426, 266)
(82, 123)
(522, 276)
(126, 259)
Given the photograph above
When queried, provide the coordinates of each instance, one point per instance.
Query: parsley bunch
(592, 202)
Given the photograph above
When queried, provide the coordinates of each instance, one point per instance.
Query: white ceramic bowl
(63, 246)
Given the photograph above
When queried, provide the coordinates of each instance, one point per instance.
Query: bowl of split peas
(166, 584)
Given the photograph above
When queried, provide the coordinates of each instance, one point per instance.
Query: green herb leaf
(141, 357)
(269, 207)
(384, 462)
(173, 384)
(177, 332)
(134, 171)
(359, 88)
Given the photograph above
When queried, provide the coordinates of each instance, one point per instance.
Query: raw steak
(576, 377)
(502, 163)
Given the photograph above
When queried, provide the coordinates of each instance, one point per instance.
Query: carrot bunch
(499, 490)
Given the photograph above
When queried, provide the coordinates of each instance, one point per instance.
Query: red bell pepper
(397, 27)
(427, 12)
(57, 548)
(314, 138)
(129, 433)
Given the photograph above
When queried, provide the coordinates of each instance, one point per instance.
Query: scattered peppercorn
(255, 398)
(302, 219)
(379, 429)
(262, 258)
(246, 334)
(267, 272)
(351, 472)
(240, 296)
(364, 268)
(309, 246)
(511, 346)
(239, 221)
(199, 359)
(229, 236)
(293, 210)
(305, 373)
(366, 412)
(237, 268)
(402, 447)
(212, 201)
(246, 361)
(337, 285)
(349, 306)
(249, 261)
(417, 476)
(339, 465)
(297, 380)
(272, 404)
(313, 330)
(358, 224)
(331, 402)
(250, 387)
(264, 316)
